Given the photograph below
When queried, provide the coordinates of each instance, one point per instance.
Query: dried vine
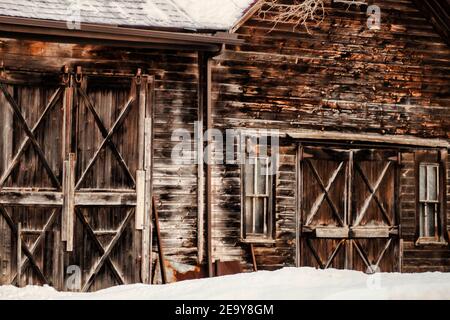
(298, 12)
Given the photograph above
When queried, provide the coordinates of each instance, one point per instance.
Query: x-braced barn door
(108, 164)
(30, 176)
(86, 171)
(348, 209)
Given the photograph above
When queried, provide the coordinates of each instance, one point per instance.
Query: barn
(96, 95)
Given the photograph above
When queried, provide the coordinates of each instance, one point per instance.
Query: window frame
(438, 160)
(425, 202)
(268, 236)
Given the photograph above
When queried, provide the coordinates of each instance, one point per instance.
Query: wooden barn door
(75, 179)
(348, 209)
(109, 165)
(374, 221)
(31, 165)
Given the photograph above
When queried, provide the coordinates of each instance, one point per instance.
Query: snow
(288, 283)
(214, 14)
(184, 14)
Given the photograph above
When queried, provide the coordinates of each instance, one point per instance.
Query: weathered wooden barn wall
(175, 97)
(423, 258)
(226, 228)
(340, 77)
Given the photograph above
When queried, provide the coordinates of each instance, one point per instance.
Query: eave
(113, 35)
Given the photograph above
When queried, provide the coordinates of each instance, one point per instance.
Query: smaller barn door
(374, 242)
(348, 200)
(109, 169)
(324, 204)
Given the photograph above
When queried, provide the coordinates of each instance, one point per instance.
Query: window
(429, 201)
(257, 182)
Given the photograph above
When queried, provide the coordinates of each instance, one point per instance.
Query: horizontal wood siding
(175, 97)
(417, 258)
(340, 76)
(226, 234)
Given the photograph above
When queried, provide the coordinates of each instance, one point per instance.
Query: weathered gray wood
(107, 252)
(147, 234)
(107, 135)
(105, 199)
(199, 143)
(140, 200)
(67, 118)
(58, 263)
(24, 248)
(30, 134)
(8, 141)
(369, 137)
(142, 96)
(118, 276)
(371, 232)
(32, 251)
(252, 252)
(332, 233)
(28, 198)
(209, 157)
(19, 255)
(69, 202)
(160, 245)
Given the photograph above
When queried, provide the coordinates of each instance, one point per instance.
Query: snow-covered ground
(288, 283)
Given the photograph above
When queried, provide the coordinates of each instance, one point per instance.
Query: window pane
(430, 220)
(432, 177)
(248, 215)
(422, 220)
(261, 176)
(259, 215)
(422, 183)
(249, 178)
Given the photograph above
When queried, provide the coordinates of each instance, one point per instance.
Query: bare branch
(298, 12)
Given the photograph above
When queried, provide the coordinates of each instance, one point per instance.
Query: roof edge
(113, 33)
(248, 14)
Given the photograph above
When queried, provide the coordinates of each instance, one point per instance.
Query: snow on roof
(180, 14)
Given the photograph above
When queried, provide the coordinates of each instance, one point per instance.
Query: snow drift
(288, 283)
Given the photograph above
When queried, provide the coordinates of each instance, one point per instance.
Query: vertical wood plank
(200, 163)
(58, 270)
(140, 199)
(443, 157)
(252, 251)
(66, 142)
(348, 218)
(67, 119)
(7, 135)
(69, 202)
(141, 89)
(298, 197)
(147, 230)
(160, 246)
(19, 255)
(209, 196)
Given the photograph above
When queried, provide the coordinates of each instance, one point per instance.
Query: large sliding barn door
(348, 209)
(75, 188)
(109, 180)
(30, 176)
